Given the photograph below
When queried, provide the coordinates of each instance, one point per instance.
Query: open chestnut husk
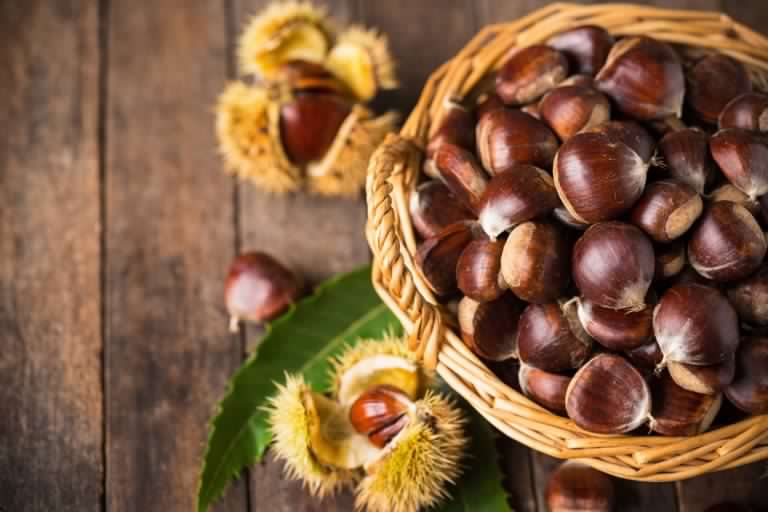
(572, 109)
(748, 112)
(613, 329)
(709, 91)
(608, 396)
(529, 73)
(550, 338)
(644, 77)
(433, 207)
(457, 127)
(749, 389)
(750, 297)
(478, 271)
(679, 412)
(489, 329)
(576, 487)
(613, 265)
(706, 380)
(598, 178)
(523, 193)
(666, 210)
(438, 256)
(687, 159)
(743, 158)
(462, 174)
(727, 244)
(631, 134)
(536, 261)
(695, 324)
(507, 137)
(586, 47)
(544, 388)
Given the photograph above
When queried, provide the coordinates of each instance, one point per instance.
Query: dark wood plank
(170, 236)
(50, 300)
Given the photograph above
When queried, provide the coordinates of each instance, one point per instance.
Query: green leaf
(480, 486)
(342, 310)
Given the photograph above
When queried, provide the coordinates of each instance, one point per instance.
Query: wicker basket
(393, 175)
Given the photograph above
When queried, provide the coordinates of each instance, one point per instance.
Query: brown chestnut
(309, 124)
(727, 244)
(730, 193)
(679, 412)
(749, 389)
(644, 77)
(706, 380)
(564, 216)
(687, 158)
(489, 329)
(608, 396)
(536, 261)
(433, 207)
(522, 193)
(258, 288)
(461, 173)
(478, 271)
(486, 103)
(529, 73)
(647, 356)
(544, 388)
(748, 111)
(550, 338)
(616, 330)
(598, 178)
(613, 266)
(380, 413)
(572, 109)
(507, 137)
(666, 210)
(457, 127)
(631, 134)
(586, 47)
(670, 260)
(695, 324)
(713, 82)
(750, 297)
(438, 256)
(576, 487)
(743, 158)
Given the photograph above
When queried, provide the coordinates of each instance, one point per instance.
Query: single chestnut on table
(574, 486)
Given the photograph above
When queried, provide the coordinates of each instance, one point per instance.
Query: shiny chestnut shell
(529, 73)
(379, 413)
(748, 111)
(461, 173)
(544, 388)
(572, 109)
(679, 412)
(743, 158)
(647, 356)
(749, 389)
(456, 127)
(478, 271)
(632, 134)
(309, 124)
(666, 210)
(586, 47)
(709, 91)
(616, 330)
(433, 207)
(687, 158)
(438, 256)
(707, 380)
(548, 339)
(489, 329)
(750, 297)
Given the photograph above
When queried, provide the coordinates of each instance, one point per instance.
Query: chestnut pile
(599, 217)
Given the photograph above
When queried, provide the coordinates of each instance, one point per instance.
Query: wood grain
(169, 238)
(50, 366)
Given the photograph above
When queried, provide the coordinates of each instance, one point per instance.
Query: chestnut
(631, 134)
(438, 256)
(695, 324)
(670, 260)
(730, 193)
(647, 356)
(309, 124)
(616, 330)
(478, 271)
(749, 389)
(576, 487)
(461, 173)
(727, 244)
(598, 178)
(687, 158)
(706, 380)
(708, 92)
(529, 73)
(666, 210)
(489, 329)
(536, 261)
(507, 137)
(457, 127)
(433, 206)
(572, 109)
(487, 102)
(608, 396)
(523, 193)
(748, 111)
(750, 297)
(259, 288)
(380, 413)
(551, 339)
(544, 388)
(743, 158)
(679, 412)
(568, 220)
(644, 77)
(586, 47)
(613, 266)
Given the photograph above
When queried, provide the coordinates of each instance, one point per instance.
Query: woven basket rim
(393, 173)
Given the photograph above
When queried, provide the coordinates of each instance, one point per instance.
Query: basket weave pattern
(393, 174)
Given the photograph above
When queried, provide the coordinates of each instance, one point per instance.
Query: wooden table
(116, 228)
